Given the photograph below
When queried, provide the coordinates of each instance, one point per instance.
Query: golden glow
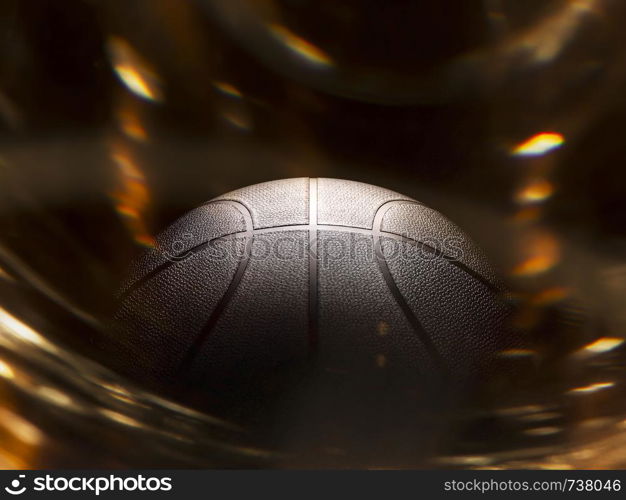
(20, 428)
(127, 167)
(515, 411)
(605, 344)
(170, 405)
(10, 461)
(300, 47)
(542, 254)
(528, 214)
(120, 418)
(132, 197)
(133, 71)
(592, 388)
(55, 396)
(145, 240)
(5, 276)
(6, 371)
(115, 388)
(10, 324)
(596, 423)
(551, 37)
(536, 191)
(135, 83)
(540, 144)
(557, 466)
(543, 431)
(228, 89)
(131, 126)
(237, 118)
(466, 460)
(534, 266)
(551, 296)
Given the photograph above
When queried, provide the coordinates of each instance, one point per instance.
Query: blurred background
(116, 117)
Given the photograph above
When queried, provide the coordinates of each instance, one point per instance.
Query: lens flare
(227, 89)
(120, 418)
(301, 47)
(540, 144)
(517, 411)
(6, 371)
(238, 118)
(528, 214)
(605, 344)
(13, 326)
(536, 191)
(133, 71)
(543, 431)
(20, 427)
(56, 397)
(592, 388)
(548, 39)
(131, 126)
(542, 252)
(551, 296)
(132, 197)
(518, 353)
(5, 276)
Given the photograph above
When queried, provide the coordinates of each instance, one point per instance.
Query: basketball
(367, 285)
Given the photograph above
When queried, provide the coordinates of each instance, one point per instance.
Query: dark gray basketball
(361, 282)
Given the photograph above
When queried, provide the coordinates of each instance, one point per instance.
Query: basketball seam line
(330, 227)
(313, 272)
(301, 227)
(215, 315)
(395, 291)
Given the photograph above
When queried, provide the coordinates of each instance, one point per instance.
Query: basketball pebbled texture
(358, 280)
